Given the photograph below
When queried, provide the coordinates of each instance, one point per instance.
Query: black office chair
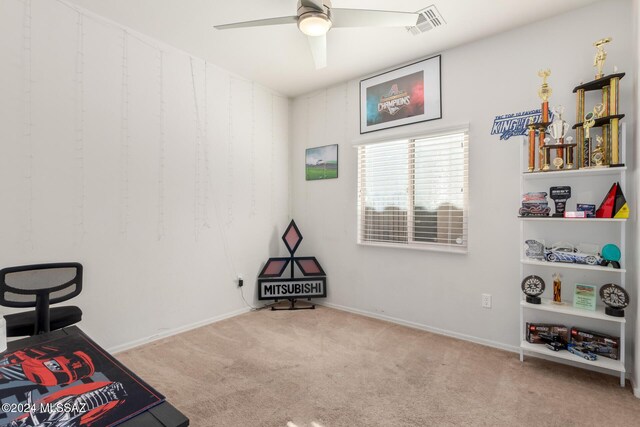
(39, 286)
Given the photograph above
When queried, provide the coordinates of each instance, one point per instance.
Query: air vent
(428, 19)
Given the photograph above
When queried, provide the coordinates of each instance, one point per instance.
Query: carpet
(329, 368)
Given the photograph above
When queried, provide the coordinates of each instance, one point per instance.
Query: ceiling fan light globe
(314, 24)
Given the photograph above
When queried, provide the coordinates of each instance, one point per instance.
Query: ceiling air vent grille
(428, 19)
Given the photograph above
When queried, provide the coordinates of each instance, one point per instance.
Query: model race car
(581, 352)
(567, 253)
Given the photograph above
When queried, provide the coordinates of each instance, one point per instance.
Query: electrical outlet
(240, 281)
(486, 300)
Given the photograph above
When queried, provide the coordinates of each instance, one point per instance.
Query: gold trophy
(544, 93)
(597, 157)
(606, 115)
(601, 56)
(598, 110)
(557, 289)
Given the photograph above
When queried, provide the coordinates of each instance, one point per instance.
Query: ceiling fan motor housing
(313, 21)
(305, 9)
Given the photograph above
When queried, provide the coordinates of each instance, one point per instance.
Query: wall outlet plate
(486, 300)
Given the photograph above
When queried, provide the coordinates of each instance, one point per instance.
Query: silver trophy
(558, 130)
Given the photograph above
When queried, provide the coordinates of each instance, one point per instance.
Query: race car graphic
(69, 381)
(46, 366)
(73, 407)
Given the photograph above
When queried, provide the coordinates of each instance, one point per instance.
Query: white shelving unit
(541, 181)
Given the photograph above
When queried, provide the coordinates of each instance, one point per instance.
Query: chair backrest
(24, 285)
(38, 286)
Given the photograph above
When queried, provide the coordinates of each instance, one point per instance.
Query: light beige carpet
(329, 368)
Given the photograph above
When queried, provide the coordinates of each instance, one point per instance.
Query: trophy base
(569, 166)
(615, 312)
(617, 165)
(558, 302)
(558, 215)
(534, 300)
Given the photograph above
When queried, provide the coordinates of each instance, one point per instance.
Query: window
(414, 192)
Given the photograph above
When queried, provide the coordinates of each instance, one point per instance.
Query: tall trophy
(544, 93)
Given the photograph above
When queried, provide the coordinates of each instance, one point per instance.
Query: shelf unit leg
(623, 333)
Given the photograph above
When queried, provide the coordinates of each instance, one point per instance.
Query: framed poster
(321, 162)
(403, 96)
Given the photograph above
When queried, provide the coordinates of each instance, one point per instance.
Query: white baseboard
(175, 331)
(422, 327)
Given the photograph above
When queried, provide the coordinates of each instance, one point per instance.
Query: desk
(161, 415)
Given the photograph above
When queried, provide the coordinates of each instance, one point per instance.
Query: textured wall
(164, 176)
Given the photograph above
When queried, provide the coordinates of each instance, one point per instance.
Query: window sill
(431, 247)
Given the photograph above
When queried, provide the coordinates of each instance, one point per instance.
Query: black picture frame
(397, 110)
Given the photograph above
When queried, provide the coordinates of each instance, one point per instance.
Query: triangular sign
(606, 207)
(621, 208)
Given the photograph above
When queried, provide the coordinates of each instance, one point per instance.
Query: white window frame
(411, 243)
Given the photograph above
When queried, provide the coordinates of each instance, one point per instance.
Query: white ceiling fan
(316, 17)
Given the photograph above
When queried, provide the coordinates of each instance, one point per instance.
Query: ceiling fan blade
(259, 23)
(316, 4)
(372, 18)
(318, 47)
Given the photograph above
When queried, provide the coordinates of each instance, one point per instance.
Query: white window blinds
(414, 192)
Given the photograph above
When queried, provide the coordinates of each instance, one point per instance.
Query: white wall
(163, 219)
(494, 76)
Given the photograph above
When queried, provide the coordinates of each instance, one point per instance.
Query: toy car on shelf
(581, 352)
(596, 348)
(555, 345)
(552, 341)
(567, 253)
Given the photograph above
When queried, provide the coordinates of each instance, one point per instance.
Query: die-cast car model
(581, 352)
(567, 253)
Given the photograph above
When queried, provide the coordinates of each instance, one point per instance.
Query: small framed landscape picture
(321, 162)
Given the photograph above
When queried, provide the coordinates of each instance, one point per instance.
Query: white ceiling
(278, 56)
